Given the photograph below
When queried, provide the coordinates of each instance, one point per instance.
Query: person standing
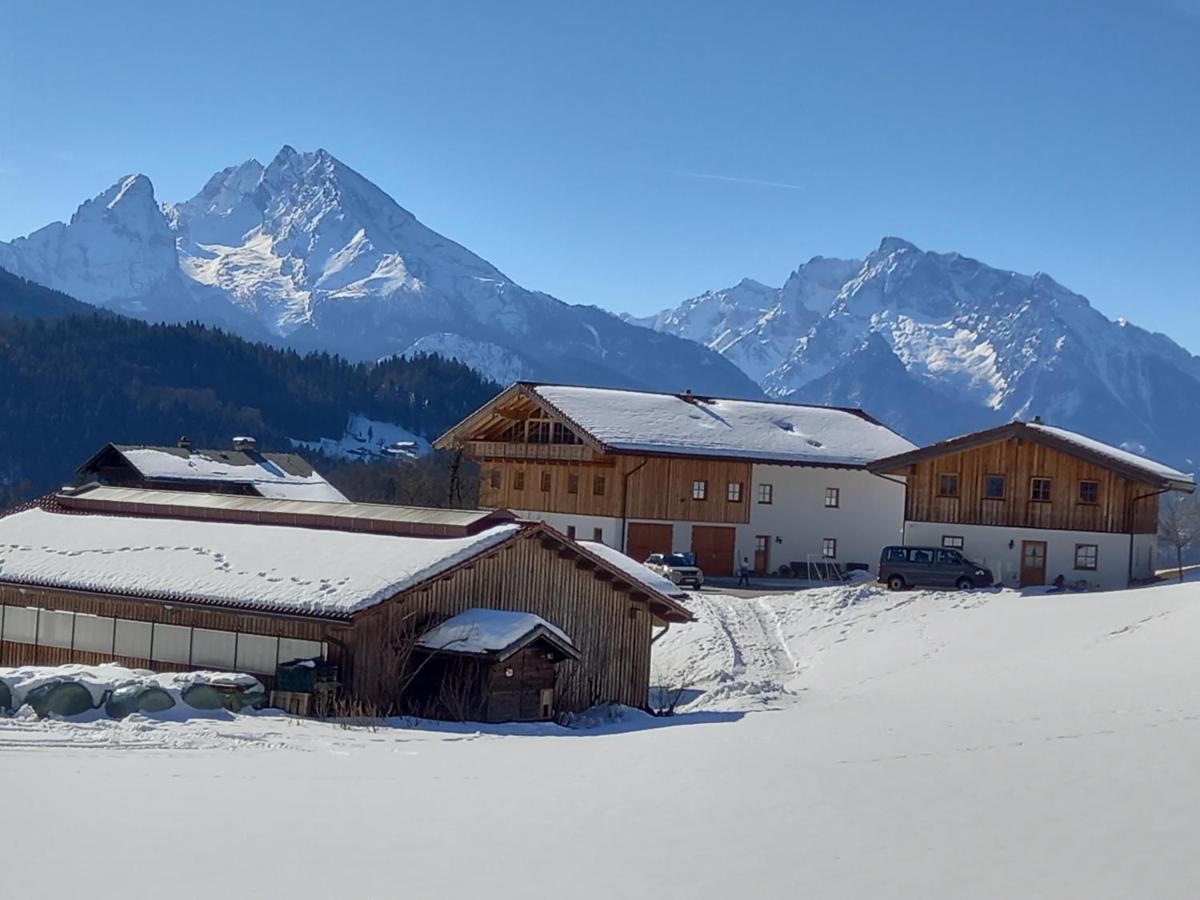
(744, 572)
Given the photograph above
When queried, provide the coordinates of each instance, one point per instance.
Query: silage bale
(203, 696)
(62, 698)
(137, 698)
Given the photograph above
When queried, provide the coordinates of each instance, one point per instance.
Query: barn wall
(208, 623)
(611, 628)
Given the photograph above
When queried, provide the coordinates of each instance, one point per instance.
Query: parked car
(678, 567)
(903, 567)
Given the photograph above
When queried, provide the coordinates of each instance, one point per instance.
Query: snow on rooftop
(634, 421)
(486, 631)
(633, 568)
(298, 569)
(1160, 470)
(259, 470)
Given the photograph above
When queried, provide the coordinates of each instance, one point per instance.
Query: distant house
(178, 580)
(1034, 502)
(779, 484)
(240, 469)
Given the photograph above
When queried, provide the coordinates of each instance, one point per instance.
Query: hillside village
(545, 601)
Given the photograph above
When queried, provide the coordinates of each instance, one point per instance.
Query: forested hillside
(71, 383)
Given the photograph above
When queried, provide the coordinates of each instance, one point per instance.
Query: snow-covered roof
(283, 476)
(1124, 457)
(642, 422)
(633, 569)
(493, 632)
(256, 566)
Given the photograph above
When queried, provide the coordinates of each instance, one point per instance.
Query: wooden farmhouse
(240, 469)
(186, 580)
(1032, 502)
(778, 485)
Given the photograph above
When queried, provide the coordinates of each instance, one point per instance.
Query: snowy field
(835, 743)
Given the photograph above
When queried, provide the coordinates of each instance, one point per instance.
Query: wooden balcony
(546, 452)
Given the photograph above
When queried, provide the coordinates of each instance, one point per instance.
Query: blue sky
(634, 154)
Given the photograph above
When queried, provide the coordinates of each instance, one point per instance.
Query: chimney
(184, 443)
(1037, 420)
(245, 443)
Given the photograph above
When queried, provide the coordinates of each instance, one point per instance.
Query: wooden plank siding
(611, 628)
(652, 487)
(1020, 461)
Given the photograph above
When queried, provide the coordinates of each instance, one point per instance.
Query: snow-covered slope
(837, 743)
(906, 331)
(306, 252)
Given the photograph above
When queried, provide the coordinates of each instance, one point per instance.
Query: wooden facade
(1043, 486)
(608, 621)
(620, 486)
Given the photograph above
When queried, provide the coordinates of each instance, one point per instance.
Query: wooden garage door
(713, 547)
(646, 538)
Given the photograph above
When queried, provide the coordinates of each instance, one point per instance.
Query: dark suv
(901, 567)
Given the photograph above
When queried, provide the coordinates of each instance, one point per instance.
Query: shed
(492, 665)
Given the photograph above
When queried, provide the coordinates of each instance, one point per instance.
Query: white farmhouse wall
(989, 546)
(869, 515)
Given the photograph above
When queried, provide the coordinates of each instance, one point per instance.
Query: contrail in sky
(710, 176)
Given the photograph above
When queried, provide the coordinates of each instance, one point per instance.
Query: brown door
(762, 554)
(1033, 563)
(645, 538)
(713, 547)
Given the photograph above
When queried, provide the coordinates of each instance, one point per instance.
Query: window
(832, 498)
(829, 548)
(1086, 556)
(571, 532)
(699, 490)
(495, 478)
(573, 483)
(1039, 490)
(598, 535)
(896, 554)
(598, 486)
(545, 482)
(993, 487)
(920, 555)
(733, 492)
(519, 480)
(949, 558)
(1089, 492)
(948, 484)
(952, 541)
(766, 493)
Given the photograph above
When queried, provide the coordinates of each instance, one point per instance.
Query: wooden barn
(185, 580)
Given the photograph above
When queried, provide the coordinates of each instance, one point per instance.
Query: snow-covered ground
(834, 743)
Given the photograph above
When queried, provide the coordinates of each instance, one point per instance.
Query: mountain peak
(892, 244)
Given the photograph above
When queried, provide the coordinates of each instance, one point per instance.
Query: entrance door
(762, 554)
(714, 549)
(645, 538)
(1033, 563)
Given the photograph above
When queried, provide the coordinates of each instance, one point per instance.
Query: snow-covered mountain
(937, 344)
(307, 253)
